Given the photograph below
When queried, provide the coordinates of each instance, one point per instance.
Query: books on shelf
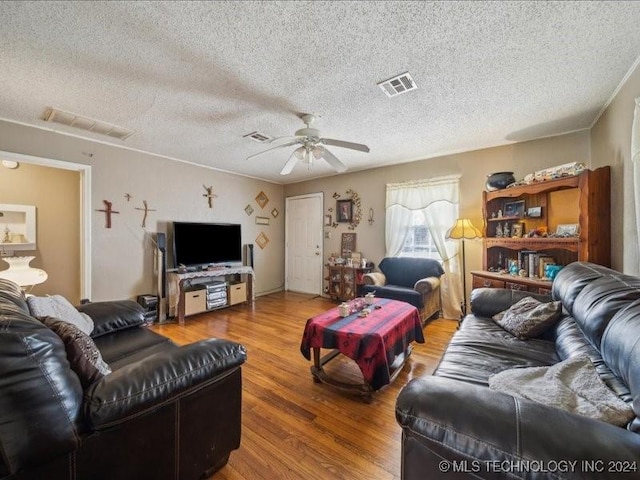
(534, 263)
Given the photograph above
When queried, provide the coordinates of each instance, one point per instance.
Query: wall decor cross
(209, 195)
(107, 211)
(146, 210)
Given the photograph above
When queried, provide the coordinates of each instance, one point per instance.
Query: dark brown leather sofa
(455, 427)
(165, 412)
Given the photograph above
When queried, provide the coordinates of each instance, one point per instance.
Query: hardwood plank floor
(293, 428)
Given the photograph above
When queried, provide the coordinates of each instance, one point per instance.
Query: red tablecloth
(372, 341)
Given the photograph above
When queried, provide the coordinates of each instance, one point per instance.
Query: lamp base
(21, 273)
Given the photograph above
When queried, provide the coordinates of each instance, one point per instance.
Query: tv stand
(178, 282)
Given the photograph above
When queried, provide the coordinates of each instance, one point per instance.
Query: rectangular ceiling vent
(86, 123)
(258, 137)
(398, 85)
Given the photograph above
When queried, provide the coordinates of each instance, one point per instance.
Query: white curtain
(438, 199)
(635, 160)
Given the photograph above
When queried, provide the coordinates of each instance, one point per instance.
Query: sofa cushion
(481, 348)
(395, 292)
(600, 300)
(621, 351)
(57, 306)
(130, 345)
(528, 317)
(82, 353)
(113, 316)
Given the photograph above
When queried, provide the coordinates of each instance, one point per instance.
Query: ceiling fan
(312, 147)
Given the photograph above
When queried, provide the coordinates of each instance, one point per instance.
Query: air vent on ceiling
(398, 85)
(86, 123)
(258, 137)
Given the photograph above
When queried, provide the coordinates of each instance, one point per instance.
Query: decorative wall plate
(248, 209)
(275, 213)
(262, 240)
(262, 199)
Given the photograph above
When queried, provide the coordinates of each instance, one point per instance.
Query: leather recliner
(165, 412)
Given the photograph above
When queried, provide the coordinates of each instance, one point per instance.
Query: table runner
(372, 341)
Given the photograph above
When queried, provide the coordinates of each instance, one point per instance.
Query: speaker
(248, 255)
(161, 241)
(161, 270)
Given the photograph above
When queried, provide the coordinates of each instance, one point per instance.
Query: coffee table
(379, 343)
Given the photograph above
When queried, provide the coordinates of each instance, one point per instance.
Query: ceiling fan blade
(273, 148)
(332, 160)
(293, 159)
(343, 144)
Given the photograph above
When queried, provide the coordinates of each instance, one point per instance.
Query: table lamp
(21, 273)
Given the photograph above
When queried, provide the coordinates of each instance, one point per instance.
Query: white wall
(122, 257)
(611, 145)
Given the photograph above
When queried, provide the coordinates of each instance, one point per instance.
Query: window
(418, 241)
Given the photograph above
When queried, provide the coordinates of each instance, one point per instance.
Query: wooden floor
(293, 428)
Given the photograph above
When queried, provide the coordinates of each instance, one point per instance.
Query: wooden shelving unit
(582, 199)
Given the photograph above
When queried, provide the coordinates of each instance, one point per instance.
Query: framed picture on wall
(344, 211)
(348, 244)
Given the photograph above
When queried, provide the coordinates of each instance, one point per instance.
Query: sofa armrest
(159, 379)
(486, 302)
(427, 285)
(109, 317)
(454, 421)
(375, 278)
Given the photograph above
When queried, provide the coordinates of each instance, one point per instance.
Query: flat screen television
(198, 244)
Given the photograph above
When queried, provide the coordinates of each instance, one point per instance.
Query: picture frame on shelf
(568, 230)
(517, 230)
(514, 209)
(344, 211)
(534, 212)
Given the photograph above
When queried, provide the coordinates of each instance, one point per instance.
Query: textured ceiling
(192, 78)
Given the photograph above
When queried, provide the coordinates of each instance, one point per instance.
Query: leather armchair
(412, 280)
(165, 412)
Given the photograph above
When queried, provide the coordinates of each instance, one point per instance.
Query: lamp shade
(463, 228)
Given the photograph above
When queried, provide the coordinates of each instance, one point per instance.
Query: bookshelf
(581, 201)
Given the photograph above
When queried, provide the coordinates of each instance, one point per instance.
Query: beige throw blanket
(572, 385)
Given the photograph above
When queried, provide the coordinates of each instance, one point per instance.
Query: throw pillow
(59, 307)
(82, 353)
(529, 317)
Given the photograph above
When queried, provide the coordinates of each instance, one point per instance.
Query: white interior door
(303, 239)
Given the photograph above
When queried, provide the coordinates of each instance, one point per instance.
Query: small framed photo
(568, 230)
(248, 209)
(344, 211)
(514, 209)
(275, 213)
(534, 212)
(327, 220)
(262, 220)
(517, 230)
(348, 244)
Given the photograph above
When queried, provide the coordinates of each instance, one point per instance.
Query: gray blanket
(572, 385)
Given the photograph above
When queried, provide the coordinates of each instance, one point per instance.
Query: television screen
(197, 244)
